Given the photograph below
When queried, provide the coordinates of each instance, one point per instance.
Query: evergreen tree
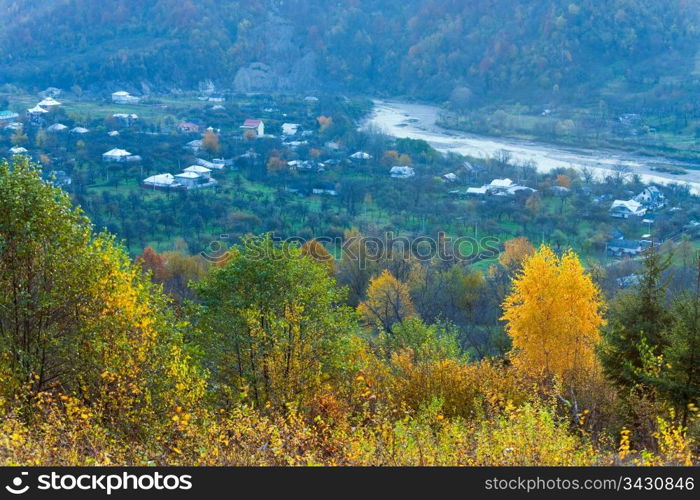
(679, 380)
(637, 319)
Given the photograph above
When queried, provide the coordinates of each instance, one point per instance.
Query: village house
(36, 114)
(193, 180)
(7, 116)
(199, 170)
(18, 150)
(327, 188)
(629, 281)
(201, 162)
(360, 156)
(290, 129)
(499, 187)
(113, 133)
(126, 119)
(451, 177)
(188, 128)
(57, 127)
(651, 198)
(194, 146)
(14, 126)
(116, 155)
(79, 130)
(123, 97)
(402, 172)
(218, 163)
(294, 144)
(623, 209)
(302, 165)
(188, 180)
(478, 191)
(256, 126)
(513, 190)
(160, 181)
(49, 103)
(624, 248)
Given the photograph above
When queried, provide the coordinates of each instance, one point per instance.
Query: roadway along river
(417, 121)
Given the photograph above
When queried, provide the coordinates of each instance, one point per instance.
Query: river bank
(419, 121)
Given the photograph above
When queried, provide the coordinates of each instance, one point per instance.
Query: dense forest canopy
(425, 48)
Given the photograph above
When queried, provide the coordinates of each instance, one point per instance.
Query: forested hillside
(424, 48)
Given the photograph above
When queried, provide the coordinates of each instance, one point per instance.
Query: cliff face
(284, 66)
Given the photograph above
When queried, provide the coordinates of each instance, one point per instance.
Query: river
(417, 121)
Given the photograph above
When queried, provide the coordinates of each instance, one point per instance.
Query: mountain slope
(424, 48)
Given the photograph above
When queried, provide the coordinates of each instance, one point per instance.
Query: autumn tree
(390, 158)
(388, 301)
(275, 164)
(181, 270)
(210, 142)
(324, 123)
(563, 181)
(515, 252)
(316, 251)
(77, 316)
(272, 323)
(553, 316)
(154, 263)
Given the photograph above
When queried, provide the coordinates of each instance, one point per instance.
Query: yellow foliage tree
(388, 302)
(553, 315)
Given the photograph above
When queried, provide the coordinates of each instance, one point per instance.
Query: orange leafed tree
(316, 251)
(564, 181)
(553, 316)
(515, 252)
(211, 142)
(151, 260)
(324, 122)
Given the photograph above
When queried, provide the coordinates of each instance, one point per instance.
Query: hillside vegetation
(424, 48)
(268, 364)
